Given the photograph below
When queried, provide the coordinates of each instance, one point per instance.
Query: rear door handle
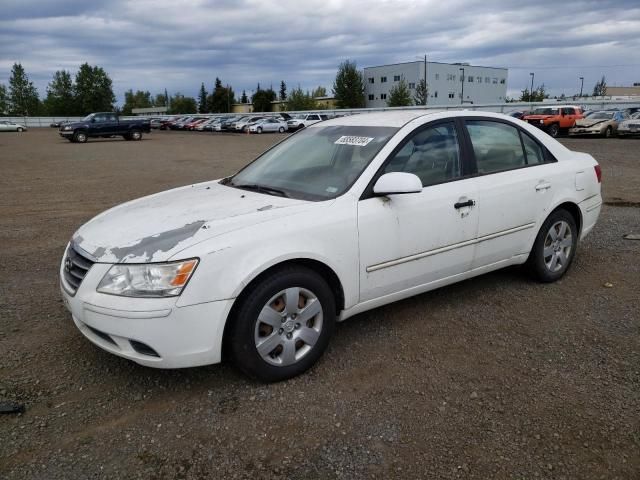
(468, 203)
(543, 186)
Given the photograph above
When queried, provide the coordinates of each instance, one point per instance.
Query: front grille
(75, 268)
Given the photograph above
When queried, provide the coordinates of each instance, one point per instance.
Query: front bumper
(629, 131)
(66, 133)
(584, 131)
(152, 332)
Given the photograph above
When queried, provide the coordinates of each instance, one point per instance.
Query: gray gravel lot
(495, 377)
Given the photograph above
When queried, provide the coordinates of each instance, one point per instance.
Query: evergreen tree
(182, 104)
(538, 94)
(283, 91)
(202, 100)
(166, 98)
(299, 101)
(600, 88)
(399, 95)
(262, 99)
(243, 98)
(4, 100)
(319, 92)
(93, 90)
(348, 87)
(23, 96)
(60, 95)
(221, 98)
(422, 93)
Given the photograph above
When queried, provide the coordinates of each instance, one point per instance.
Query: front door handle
(468, 203)
(543, 186)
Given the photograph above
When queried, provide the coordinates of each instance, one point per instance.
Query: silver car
(630, 126)
(6, 126)
(268, 125)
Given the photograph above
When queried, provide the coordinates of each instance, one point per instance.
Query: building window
(383, 96)
(412, 85)
(452, 95)
(396, 78)
(383, 79)
(495, 80)
(470, 79)
(451, 77)
(437, 76)
(502, 81)
(371, 96)
(435, 94)
(371, 80)
(487, 80)
(479, 79)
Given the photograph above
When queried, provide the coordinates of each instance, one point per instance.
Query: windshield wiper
(260, 188)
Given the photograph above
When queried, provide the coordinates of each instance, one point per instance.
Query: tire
(80, 137)
(554, 247)
(300, 126)
(135, 135)
(281, 130)
(264, 319)
(608, 132)
(554, 130)
(20, 129)
(259, 129)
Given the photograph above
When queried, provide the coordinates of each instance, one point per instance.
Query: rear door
(412, 240)
(515, 180)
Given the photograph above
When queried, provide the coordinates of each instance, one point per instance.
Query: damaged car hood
(153, 228)
(587, 123)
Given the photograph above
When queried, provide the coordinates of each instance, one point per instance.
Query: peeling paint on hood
(154, 228)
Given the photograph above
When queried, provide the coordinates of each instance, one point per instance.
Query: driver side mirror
(395, 183)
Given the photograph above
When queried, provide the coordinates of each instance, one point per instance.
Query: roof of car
(396, 118)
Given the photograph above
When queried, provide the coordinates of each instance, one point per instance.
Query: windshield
(636, 115)
(601, 116)
(545, 111)
(88, 117)
(316, 163)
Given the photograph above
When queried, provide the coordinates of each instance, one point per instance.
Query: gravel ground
(495, 377)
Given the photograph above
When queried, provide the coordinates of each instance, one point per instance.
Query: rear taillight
(598, 173)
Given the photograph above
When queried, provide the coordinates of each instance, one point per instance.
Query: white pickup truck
(304, 120)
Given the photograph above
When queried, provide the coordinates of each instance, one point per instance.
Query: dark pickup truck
(103, 124)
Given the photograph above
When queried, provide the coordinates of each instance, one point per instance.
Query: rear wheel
(20, 129)
(554, 130)
(283, 324)
(281, 130)
(80, 137)
(555, 247)
(136, 135)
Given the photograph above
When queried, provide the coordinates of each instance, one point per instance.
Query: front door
(412, 240)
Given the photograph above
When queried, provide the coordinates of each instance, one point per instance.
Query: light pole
(462, 94)
(531, 91)
(581, 85)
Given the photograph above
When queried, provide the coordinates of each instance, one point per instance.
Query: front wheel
(608, 132)
(283, 324)
(259, 129)
(136, 135)
(20, 129)
(281, 130)
(554, 130)
(80, 137)
(554, 248)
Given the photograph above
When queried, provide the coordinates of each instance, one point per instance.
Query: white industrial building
(444, 80)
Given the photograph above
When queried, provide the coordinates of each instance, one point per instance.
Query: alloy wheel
(557, 246)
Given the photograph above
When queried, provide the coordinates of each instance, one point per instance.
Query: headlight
(542, 121)
(148, 280)
(67, 127)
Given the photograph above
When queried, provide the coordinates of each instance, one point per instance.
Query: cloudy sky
(176, 44)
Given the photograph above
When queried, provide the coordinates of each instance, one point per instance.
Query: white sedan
(268, 125)
(6, 126)
(342, 217)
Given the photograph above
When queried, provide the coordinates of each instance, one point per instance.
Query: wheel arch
(328, 273)
(574, 210)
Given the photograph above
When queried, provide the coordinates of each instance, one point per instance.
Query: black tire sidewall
(241, 342)
(78, 139)
(536, 257)
(554, 130)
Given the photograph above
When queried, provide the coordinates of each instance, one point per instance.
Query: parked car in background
(343, 217)
(180, 123)
(631, 110)
(268, 125)
(192, 125)
(155, 123)
(104, 124)
(554, 120)
(6, 126)
(517, 114)
(630, 126)
(604, 124)
(304, 120)
(228, 123)
(243, 125)
(203, 125)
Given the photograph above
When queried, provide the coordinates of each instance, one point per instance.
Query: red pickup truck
(555, 119)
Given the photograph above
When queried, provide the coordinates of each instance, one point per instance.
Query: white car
(268, 125)
(243, 124)
(630, 126)
(304, 120)
(342, 217)
(6, 126)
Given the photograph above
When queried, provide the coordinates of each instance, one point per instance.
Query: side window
(111, 119)
(313, 117)
(568, 111)
(533, 151)
(496, 146)
(433, 154)
(99, 118)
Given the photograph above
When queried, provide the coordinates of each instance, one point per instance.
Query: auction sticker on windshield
(351, 140)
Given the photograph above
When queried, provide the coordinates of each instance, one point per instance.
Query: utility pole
(531, 91)
(581, 85)
(462, 95)
(425, 79)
